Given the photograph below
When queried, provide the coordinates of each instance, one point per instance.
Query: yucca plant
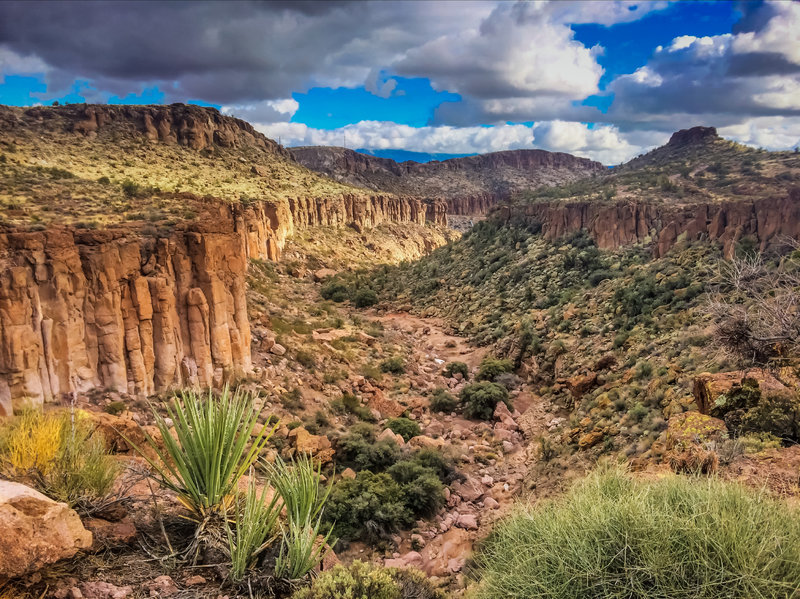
(204, 464)
(255, 528)
(302, 550)
(298, 483)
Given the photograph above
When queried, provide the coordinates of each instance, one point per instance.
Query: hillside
(470, 185)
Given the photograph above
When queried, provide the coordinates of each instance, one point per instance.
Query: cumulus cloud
(724, 80)
(603, 143)
(266, 111)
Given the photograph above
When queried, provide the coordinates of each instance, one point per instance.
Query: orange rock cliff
(119, 308)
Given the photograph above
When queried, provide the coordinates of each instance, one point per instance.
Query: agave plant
(209, 453)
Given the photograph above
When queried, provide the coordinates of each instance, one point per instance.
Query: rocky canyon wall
(613, 225)
(118, 309)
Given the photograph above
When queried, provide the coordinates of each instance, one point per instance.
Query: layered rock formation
(121, 310)
(616, 224)
(469, 185)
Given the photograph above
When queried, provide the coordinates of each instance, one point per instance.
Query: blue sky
(605, 80)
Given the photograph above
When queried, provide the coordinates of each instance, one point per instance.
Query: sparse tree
(756, 308)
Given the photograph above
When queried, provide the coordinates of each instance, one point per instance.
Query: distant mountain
(407, 155)
(470, 184)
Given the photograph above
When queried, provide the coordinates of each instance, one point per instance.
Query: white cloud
(603, 142)
(266, 111)
(780, 36)
(772, 133)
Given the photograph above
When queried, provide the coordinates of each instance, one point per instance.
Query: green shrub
(638, 412)
(443, 401)
(457, 367)
(492, 367)
(131, 188)
(422, 489)
(352, 405)
(305, 358)
(480, 399)
(366, 581)
(365, 297)
(335, 291)
(777, 413)
(619, 537)
(370, 506)
(359, 450)
(356, 581)
(405, 427)
(395, 365)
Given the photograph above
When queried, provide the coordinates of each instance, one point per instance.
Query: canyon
(471, 185)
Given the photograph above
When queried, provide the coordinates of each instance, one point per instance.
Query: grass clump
(480, 399)
(613, 536)
(62, 455)
(204, 464)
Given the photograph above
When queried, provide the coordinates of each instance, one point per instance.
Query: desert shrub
(638, 412)
(405, 427)
(351, 404)
(356, 581)
(615, 536)
(422, 490)
(203, 465)
(305, 358)
(492, 367)
(370, 506)
(334, 290)
(394, 365)
(758, 442)
(443, 401)
(366, 581)
(480, 399)
(364, 298)
(131, 188)
(359, 449)
(436, 461)
(62, 454)
(777, 413)
(453, 368)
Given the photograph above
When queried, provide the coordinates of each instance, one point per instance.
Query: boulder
(317, 446)
(590, 439)
(708, 387)
(390, 435)
(425, 442)
(467, 521)
(36, 531)
(323, 273)
(278, 349)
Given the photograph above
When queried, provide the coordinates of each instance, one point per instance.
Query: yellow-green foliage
(30, 442)
(61, 454)
(365, 581)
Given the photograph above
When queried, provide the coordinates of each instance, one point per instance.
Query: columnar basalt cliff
(138, 308)
(119, 309)
(613, 225)
(469, 185)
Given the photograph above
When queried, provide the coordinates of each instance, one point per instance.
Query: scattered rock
(278, 349)
(36, 531)
(348, 473)
(110, 534)
(163, 586)
(104, 590)
(323, 273)
(194, 581)
(467, 521)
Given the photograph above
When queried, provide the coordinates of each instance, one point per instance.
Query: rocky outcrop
(196, 127)
(613, 225)
(469, 185)
(35, 531)
(124, 310)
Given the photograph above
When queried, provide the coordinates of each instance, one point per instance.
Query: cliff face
(613, 225)
(469, 185)
(117, 309)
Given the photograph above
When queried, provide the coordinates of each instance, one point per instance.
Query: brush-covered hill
(98, 165)
(697, 186)
(470, 185)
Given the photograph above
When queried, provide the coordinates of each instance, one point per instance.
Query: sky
(602, 79)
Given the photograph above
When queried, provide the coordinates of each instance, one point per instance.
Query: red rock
(104, 590)
(467, 521)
